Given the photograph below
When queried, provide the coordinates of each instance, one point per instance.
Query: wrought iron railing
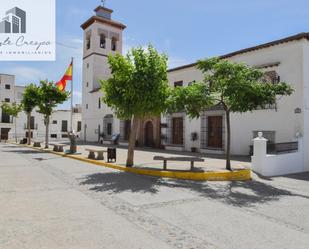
(279, 148)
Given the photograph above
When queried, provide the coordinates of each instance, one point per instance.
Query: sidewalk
(143, 158)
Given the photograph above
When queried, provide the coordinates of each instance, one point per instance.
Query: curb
(237, 175)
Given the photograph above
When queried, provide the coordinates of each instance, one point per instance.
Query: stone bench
(58, 147)
(37, 144)
(99, 152)
(178, 159)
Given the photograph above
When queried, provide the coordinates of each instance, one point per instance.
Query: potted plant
(194, 137)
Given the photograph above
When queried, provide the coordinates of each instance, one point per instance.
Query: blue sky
(185, 30)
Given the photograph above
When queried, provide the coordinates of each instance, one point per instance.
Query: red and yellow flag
(67, 76)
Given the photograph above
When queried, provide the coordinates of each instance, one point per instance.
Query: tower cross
(103, 2)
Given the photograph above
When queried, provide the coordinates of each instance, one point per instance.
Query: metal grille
(108, 126)
(124, 132)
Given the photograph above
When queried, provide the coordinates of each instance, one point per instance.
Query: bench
(58, 147)
(99, 152)
(37, 144)
(178, 159)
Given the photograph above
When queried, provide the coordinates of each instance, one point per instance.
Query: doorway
(215, 131)
(177, 131)
(5, 133)
(149, 136)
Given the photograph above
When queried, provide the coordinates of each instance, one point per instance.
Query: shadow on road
(120, 182)
(25, 151)
(241, 194)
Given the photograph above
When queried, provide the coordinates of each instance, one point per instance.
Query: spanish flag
(67, 76)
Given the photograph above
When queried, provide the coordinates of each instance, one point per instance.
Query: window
(5, 118)
(55, 122)
(87, 65)
(114, 44)
(53, 135)
(7, 86)
(88, 42)
(32, 121)
(109, 129)
(87, 84)
(272, 77)
(79, 126)
(7, 100)
(102, 41)
(64, 126)
(99, 103)
(178, 83)
(64, 136)
(108, 126)
(86, 106)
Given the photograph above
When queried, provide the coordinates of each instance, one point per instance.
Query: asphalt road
(49, 202)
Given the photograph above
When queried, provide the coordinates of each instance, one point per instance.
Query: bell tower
(102, 36)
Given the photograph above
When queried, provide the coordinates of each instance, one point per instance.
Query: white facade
(290, 61)
(285, 60)
(60, 120)
(102, 36)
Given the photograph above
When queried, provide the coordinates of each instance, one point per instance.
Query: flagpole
(72, 93)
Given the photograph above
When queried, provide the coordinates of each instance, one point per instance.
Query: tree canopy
(138, 85)
(49, 96)
(12, 109)
(235, 87)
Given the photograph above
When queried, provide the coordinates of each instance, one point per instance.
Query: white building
(102, 36)
(60, 120)
(285, 60)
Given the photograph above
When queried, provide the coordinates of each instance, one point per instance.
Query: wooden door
(215, 131)
(149, 141)
(178, 131)
(5, 133)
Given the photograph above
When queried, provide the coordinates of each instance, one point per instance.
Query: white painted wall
(15, 95)
(276, 165)
(283, 120)
(306, 103)
(96, 68)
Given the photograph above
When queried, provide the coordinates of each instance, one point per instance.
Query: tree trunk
(228, 144)
(132, 140)
(15, 129)
(46, 132)
(29, 128)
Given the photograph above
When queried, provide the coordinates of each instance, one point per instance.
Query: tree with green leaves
(235, 87)
(49, 97)
(29, 102)
(13, 110)
(138, 88)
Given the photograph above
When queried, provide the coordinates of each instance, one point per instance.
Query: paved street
(50, 202)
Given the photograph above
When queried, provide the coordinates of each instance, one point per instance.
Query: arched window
(102, 41)
(114, 44)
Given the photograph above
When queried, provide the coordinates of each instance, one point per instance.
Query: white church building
(286, 60)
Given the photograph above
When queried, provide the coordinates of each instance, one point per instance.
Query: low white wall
(275, 165)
